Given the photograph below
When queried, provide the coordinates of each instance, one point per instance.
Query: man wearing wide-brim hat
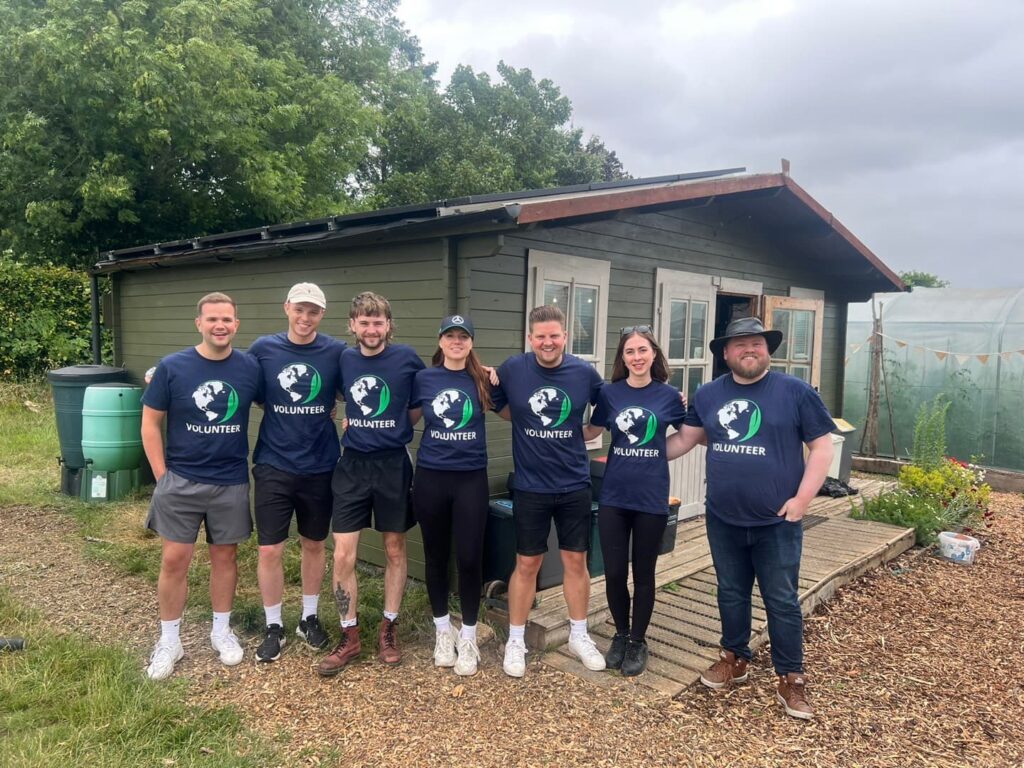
(756, 422)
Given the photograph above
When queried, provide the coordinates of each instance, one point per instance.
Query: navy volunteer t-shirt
(637, 473)
(376, 389)
(300, 383)
(755, 433)
(453, 431)
(547, 406)
(207, 404)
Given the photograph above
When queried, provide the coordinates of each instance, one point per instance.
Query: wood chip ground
(915, 664)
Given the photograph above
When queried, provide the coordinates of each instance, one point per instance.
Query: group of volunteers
(755, 422)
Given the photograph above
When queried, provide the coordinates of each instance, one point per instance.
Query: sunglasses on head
(635, 329)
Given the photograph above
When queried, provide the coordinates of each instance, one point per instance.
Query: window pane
(698, 326)
(779, 368)
(801, 372)
(802, 335)
(695, 377)
(584, 321)
(676, 377)
(557, 294)
(780, 322)
(677, 330)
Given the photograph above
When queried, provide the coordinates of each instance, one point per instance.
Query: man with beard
(373, 477)
(756, 422)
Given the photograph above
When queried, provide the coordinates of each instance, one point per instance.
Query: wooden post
(869, 436)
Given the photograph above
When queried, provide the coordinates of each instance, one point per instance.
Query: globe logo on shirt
(638, 424)
(301, 381)
(217, 400)
(371, 394)
(551, 405)
(741, 419)
(453, 407)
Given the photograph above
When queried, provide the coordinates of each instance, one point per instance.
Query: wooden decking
(684, 632)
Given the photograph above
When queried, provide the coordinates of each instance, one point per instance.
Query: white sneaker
(587, 652)
(469, 655)
(444, 648)
(227, 646)
(163, 659)
(515, 658)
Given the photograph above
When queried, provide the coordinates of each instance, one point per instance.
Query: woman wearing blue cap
(450, 485)
(638, 406)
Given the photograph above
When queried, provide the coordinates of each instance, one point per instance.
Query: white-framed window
(579, 287)
(686, 322)
(800, 321)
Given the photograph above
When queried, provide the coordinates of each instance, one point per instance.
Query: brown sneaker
(346, 650)
(388, 636)
(729, 669)
(792, 695)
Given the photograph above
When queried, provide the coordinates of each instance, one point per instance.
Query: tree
(481, 136)
(149, 120)
(915, 279)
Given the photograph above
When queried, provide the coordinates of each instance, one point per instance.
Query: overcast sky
(905, 118)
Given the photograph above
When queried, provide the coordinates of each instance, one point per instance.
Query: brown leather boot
(792, 695)
(346, 650)
(729, 669)
(388, 638)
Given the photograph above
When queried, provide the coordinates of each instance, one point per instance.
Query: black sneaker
(616, 651)
(635, 660)
(309, 629)
(270, 648)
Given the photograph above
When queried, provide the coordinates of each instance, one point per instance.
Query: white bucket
(957, 547)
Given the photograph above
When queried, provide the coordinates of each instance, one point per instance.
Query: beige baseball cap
(307, 292)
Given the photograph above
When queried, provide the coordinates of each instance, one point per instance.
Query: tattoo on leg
(343, 599)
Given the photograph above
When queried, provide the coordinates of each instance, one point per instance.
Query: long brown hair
(476, 371)
(659, 368)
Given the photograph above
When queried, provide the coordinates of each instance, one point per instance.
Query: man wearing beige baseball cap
(294, 460)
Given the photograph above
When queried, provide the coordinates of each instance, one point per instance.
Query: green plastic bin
(112, 427)
(69, 385)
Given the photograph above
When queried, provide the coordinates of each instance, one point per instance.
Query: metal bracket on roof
(196, 245)
(264, 233)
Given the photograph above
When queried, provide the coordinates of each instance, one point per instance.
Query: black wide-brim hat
(746, 326)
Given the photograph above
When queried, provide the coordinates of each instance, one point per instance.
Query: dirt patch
(912, 665)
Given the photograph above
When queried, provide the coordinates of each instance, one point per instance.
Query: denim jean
(771, 553)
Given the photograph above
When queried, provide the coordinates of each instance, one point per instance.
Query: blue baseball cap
(457, 321)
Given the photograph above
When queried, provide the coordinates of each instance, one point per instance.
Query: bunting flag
(961, 357)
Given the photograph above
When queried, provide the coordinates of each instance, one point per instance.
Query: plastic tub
(957, 547)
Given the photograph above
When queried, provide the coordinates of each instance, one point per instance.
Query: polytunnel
(965, 343)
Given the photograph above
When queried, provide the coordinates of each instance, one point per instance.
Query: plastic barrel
(111, 426)
(69, 385)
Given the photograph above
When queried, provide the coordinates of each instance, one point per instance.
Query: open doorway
(729, 307)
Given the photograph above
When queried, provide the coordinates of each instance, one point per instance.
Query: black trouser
(442, 502)
(616, 526)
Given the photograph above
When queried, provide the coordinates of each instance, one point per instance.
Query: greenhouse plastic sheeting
(968, 344)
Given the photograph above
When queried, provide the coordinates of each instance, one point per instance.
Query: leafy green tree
(149, 120)
(482, 136)
(915, 279)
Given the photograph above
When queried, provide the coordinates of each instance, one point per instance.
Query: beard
(749, 368)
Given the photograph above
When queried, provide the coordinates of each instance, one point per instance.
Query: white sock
(310, 605)
(517, 632)
(443, 623)
(468, 632)
(391, 616)
(170, 631)
(346, 623)
(578, 628)
(273, 613)
(221, 623)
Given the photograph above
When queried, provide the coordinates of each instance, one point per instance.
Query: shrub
(903, 508)
(954, 485)
(929, 450)
(45, 319)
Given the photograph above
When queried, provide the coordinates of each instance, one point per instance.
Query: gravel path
(912, 665)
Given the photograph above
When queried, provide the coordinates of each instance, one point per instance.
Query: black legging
(442, 501)
(615, 525)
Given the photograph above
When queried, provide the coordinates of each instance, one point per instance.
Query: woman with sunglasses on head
(449, 490)
(637, 406)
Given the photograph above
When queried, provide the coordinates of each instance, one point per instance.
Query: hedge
(45, 319)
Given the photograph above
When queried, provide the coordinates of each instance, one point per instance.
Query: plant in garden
(929, 449)
(903, 508)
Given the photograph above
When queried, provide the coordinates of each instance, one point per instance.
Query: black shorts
(533, 513)
(373, 488)
(278, 493)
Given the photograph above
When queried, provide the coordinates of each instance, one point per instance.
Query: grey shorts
(180, 505)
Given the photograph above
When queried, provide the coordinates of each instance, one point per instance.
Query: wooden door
(800, 321)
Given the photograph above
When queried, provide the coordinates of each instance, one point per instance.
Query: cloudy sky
(905, 118)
